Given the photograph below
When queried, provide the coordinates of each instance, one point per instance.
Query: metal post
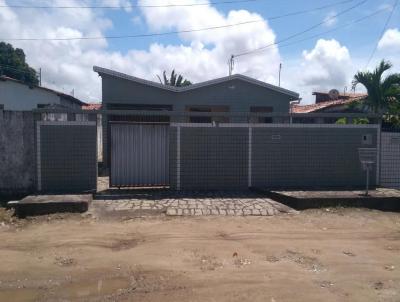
(231, 63)
(280, 69)
(366, 189)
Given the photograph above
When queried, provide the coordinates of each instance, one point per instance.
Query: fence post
(250, 157)
(178, 158)
(378, 153)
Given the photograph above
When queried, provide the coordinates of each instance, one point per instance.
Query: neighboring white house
(18, 96)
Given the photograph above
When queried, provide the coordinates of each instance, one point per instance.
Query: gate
(139, 155)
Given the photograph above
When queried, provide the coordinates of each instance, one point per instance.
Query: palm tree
(383, 93)
(174, 80)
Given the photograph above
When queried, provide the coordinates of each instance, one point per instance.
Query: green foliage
(174, 80)
(13, 65)
(382, 92)
(393, 114)
(356, 121)
(342, 121)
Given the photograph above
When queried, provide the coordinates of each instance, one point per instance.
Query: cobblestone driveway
(197, 204)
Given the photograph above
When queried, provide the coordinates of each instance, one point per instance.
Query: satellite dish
(334, 94)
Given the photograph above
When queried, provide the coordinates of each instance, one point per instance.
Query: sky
(321, 44)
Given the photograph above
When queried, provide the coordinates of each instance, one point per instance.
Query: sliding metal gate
(139, 155)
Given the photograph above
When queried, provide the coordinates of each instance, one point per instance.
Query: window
(142, 107)
(258, 118)
(208, 118)
(54, 117)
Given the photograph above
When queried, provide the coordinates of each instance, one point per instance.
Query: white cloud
(125, 4)
(330, 19)
(201, 55)
(390, 41)
(67, 65)
(325, 66)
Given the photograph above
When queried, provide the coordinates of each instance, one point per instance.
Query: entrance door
(139, 155)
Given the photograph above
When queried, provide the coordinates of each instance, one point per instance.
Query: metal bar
(216, 114)
(38, 159)
(250, 157)
(178, 158)
(246, 125)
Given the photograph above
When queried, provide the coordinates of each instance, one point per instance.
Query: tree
(13, 65)
(383, 93)
(174, 80)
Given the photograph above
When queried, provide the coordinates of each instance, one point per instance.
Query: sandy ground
(317, 255)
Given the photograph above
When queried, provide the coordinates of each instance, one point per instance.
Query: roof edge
(101, 70)
(58, 93)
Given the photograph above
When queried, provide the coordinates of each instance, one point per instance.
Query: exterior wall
(67, 157)
(238, 95)
(17, 96)
(281, 157)
(309, 157)
(390, 160)
(210, 158)
(68, 103)
(17, 152)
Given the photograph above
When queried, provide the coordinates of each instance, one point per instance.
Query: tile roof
(92, 106)
(328, 104)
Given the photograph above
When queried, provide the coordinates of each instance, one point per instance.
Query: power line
(303, 31)
(127, 6)
(133, 6)
(184, 31)
(383, 32)
(336, 28)
(284, 45)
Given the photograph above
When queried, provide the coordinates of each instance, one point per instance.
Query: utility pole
(40, 76)
(231, 64)
(280, 69)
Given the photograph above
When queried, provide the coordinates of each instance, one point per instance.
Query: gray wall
(211, 158)
(390, 160)
(239, 98)
(217, 158)
(238, 95)
(309, 157)
(68, 158)
(17, 152)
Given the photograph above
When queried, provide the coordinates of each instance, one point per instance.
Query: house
(236, 93)
(343, 103)
(16, 95)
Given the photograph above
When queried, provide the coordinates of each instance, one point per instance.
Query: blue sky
(320, 63)
(361, 38)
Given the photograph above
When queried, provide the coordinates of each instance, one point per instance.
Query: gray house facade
(232, 94)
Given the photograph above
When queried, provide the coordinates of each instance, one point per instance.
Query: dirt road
(317, 255)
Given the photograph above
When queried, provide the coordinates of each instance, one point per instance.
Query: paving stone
(214, 212)
(171, 211)
(209, 203)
